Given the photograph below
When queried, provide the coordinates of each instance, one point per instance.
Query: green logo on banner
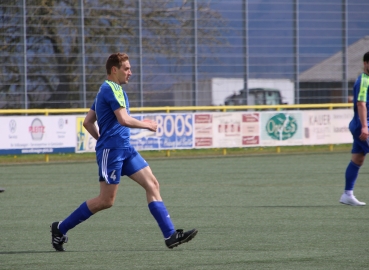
(281, 127)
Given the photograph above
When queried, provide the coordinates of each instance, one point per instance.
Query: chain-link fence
(182, 52)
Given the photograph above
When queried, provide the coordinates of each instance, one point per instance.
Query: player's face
(124, 72)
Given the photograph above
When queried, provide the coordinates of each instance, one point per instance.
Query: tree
(54, 52)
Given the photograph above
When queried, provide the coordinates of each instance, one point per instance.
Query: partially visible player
(359, 129)
(116, 157)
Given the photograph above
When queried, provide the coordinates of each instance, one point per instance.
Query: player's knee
(157, 187)
(106, 203)
(358, 160)
(156, 184)
(153, 184)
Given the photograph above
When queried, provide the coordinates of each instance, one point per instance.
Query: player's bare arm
(361, 106)
(89, 124)
(126, 120)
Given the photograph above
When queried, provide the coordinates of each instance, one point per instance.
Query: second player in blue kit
(360, 133)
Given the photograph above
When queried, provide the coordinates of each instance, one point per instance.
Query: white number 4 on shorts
(113, 176)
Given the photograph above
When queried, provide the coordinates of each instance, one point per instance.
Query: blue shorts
(358, 146)
(114, 163)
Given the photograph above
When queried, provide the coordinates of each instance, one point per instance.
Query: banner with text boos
(37, 134)
(175, 131)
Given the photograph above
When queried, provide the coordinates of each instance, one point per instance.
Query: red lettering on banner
(36, 129)
(203, 118)
(203, 141)
(229, 128)
(250, 117)
(250, 140)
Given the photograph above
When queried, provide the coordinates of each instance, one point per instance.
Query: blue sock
(352, 172)
(160, 213)
(79, 215)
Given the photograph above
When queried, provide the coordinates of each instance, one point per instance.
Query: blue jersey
(112, 134)
(360, 93)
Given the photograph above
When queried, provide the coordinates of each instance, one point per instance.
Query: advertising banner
(317, 127)
(37, 134)
(281, 128)
(227, 130)
(234, 129)
(65, 134)
(85, 142)
(327, 126)
(340, 122)
(175, 131)
(250, 129)
(203, 130)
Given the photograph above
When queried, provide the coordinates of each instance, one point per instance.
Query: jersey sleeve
(93, 106)
(363, 88)
(115, 97)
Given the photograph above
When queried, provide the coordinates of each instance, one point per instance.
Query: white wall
(224, 87)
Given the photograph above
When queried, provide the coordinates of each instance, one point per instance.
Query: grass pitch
(252, 212)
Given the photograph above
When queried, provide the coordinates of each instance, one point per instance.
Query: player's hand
(364, 134)
(152, 125)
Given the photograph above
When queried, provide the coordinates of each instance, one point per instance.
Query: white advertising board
(233, 129)
(203, 130)
(227, 130)
(37, 134)
(250, 129)
(340, 123)
(327, 126)
(64, 134)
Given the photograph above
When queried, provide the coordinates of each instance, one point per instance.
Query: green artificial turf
(252, 212)
(179, 153)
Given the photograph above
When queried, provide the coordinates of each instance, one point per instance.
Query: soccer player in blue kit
(116, 157)
(359, 129)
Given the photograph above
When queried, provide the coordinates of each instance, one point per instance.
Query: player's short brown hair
(115, 60)
(366, 57)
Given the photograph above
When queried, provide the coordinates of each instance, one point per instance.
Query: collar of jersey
(120, 87)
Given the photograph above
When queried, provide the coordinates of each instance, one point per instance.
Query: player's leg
(83, 212)
(109, 177)
(139, 171)
(352, 171)
(105, 199)
(147, 180)
(110, 166)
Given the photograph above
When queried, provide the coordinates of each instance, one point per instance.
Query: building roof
(330, 70)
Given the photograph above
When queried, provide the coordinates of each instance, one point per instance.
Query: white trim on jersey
(104, 166)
